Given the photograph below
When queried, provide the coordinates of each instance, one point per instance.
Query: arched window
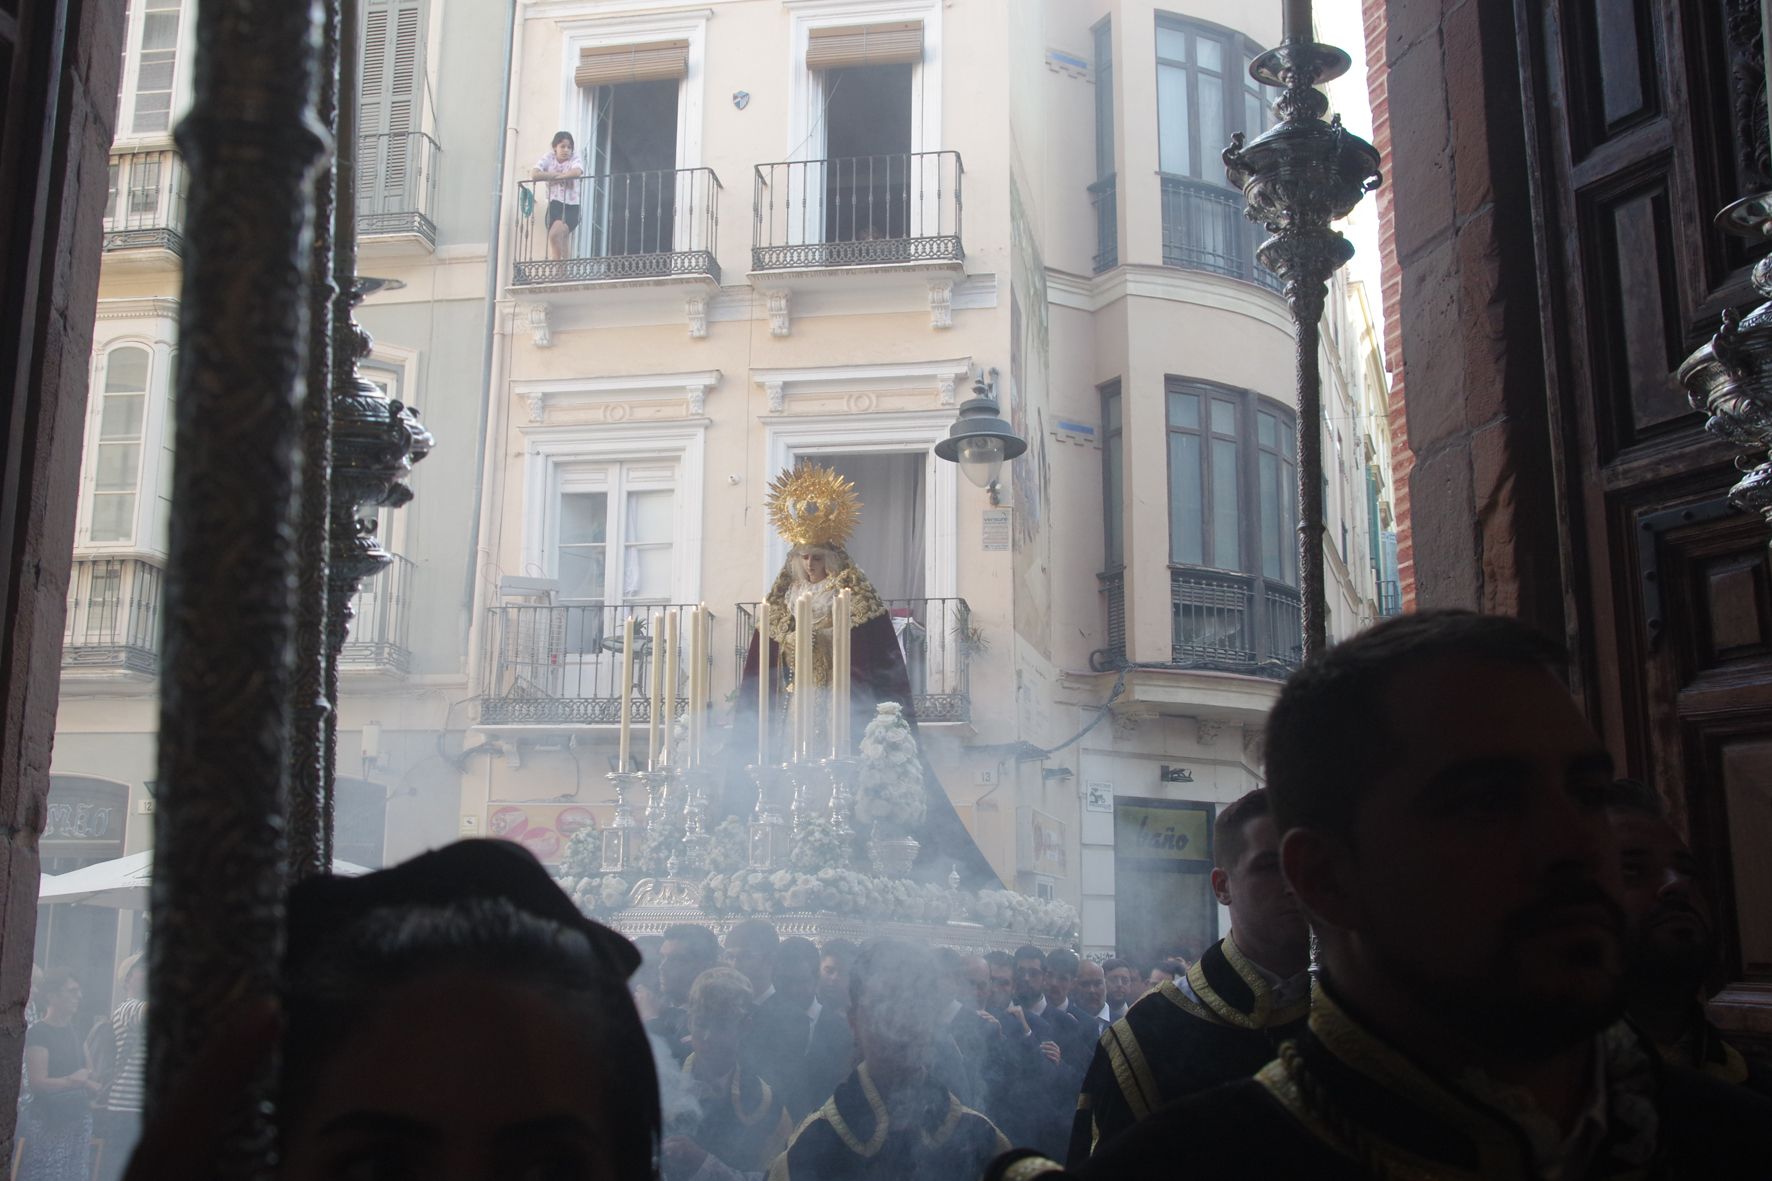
(117, 453)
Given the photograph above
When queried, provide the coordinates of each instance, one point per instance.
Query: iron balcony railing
(858, 211)
(145, 204)
(562, 665)
(380, 621)
(1204, 230)
(113, 622)
(632, 225)
(1233, 622)
(397, 185)
(1104, 197)
(938, 642)
(1113, 595)
(1390, 598)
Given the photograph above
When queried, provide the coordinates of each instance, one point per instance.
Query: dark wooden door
(1644, 118)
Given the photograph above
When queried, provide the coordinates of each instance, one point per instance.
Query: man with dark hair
(887, 1120)
(835, 959)
(1061, 973)
(750, 947)
(1226, 1017)
(685, 951)
(1001, 966)
(1444, 810)
(1673, 942)
(780, 1035)
(1123, 986)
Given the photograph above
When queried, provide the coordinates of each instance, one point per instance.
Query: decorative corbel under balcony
(614, 399)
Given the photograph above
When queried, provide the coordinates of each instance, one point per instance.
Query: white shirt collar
(1038, 1006)
(950, 1010)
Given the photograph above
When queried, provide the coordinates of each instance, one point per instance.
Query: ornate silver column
(251, 144)
(375, 441)
(308, 783)
(1298, 176)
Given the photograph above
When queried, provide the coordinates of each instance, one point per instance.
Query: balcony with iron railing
(936, 638)
(112, 630)
(1234, 622)
(1390, 598)
(554, 665)
(1204, 230)
(860, 211)
(376, 643)
(1104, 200)
(635, 226)
(397, 188)
(145, 204)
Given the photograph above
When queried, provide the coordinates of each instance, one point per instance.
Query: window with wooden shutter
(391, 97)
(652, 61)
(865, 45)
(156, 67)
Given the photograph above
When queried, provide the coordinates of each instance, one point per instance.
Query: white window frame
(555, 458)
(148, 330)
(804, 94)
(575, 101)
(125, 136)
(808, 436)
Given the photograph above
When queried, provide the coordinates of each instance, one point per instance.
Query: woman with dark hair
(57, 1128)
(560, 167)
(452, 1017)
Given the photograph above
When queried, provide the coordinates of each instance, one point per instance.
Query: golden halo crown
(813, 505)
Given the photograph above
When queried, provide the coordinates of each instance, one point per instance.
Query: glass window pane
(1267, 429)
(647, 574)
(120, 416)
(1184, 411)
(159, 30)
(1272, 533)
(1226, 543)
(1252, 115)
(1288, 440)
(1186, 502)
(1114, 492)
(649, 516)
(1224, 417)
(126, 370)
(1172, 122)
(1211, 54)
(1289, 522)
(1110, 413)
(581, 572)
(584, 518)
(1171, 44)
(117, 467)
(1213, 135)
(112, 517)
(154, 75)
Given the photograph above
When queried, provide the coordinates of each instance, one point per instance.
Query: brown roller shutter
(865, 45)
(610, 65)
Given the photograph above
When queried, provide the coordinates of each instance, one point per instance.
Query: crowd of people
(1460, 947)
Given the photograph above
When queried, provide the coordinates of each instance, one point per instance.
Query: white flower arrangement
(597, 893)
(817, 846)
(583, 857)
(889, 785)
(728, 845)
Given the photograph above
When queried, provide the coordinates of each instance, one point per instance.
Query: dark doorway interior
(634, 158)
(867, 148)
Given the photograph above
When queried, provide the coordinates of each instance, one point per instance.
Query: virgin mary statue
(815, 510)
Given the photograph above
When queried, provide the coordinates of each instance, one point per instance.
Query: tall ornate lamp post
(1298, 176)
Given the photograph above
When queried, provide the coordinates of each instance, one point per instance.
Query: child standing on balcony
(559, 168)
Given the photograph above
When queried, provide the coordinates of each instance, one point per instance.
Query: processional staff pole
(1298, 176)
(251, 144)
(309, 764)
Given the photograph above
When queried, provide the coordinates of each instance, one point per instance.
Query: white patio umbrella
(123, 883)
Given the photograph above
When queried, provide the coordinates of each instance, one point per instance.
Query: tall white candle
(803, 681)
(657, 683)
(672, 666)
(697, 679)
(764, 672)
(627, 693)
(841, 638)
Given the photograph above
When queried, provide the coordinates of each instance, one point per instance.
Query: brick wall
(1461, 301)
(72, 90)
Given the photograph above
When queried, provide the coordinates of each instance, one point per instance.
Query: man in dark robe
(1443, 805)
(1226, 1018)
(889, 1121)
(877, 674)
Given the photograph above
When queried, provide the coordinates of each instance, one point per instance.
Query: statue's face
(813, 565)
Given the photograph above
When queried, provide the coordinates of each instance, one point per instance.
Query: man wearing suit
(1089, 1001)
(780, 1035)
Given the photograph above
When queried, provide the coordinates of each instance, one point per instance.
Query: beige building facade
(805, 228)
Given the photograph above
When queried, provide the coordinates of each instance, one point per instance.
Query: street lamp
(979, 441)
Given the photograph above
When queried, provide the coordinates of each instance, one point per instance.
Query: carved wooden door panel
(1645, 117)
